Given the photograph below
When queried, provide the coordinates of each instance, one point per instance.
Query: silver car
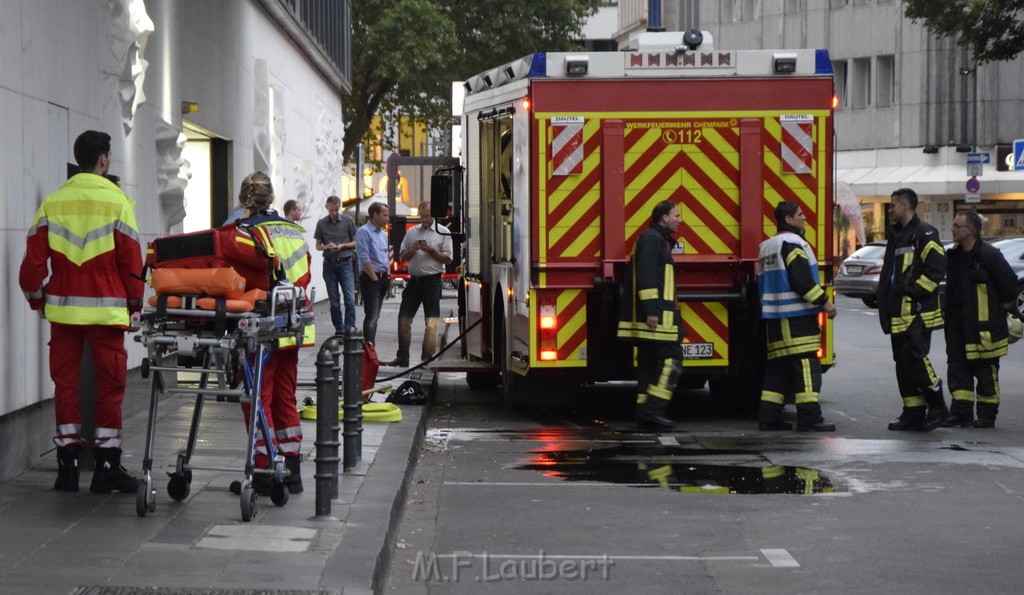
(858, 275)
(1013, 251)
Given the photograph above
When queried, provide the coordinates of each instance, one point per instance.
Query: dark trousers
(340, 274)
(373, 293)
(961, 375)
(797, 375)
(658, 365)
(424, 290)
(914, 373)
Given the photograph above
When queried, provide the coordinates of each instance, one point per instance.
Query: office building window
(751, 9)
(795, 6)
(886, 72)
(859, 89)
(839, 3)
(839, 80)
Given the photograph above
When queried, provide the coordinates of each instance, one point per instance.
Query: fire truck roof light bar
(577, 65)
(822, 62)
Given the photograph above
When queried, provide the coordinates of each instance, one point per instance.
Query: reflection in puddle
(679, 469)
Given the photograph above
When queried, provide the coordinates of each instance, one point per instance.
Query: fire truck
(565, 156)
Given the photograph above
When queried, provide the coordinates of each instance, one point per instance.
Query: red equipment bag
(370, 366)
(224, 246)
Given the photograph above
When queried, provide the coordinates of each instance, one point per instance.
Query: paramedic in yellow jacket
(84, 237)
(650, 317)
(286, 242)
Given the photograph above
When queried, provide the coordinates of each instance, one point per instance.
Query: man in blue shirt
(372, 252)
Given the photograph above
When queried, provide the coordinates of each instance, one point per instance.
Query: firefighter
(791, 299)
(283, 240)
(650, 317)
(84, 237)
(980, 289)
(908, 310)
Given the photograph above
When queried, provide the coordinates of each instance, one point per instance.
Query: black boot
(769, 417)
(67, 469)
(652, 415)
(986, 415)
(961, 414)
(911, 419)
(294, 478)
(110, 476)
(809, 418)
(937, 410)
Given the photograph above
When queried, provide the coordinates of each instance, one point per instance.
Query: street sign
(973, 185)
(974, 170)
(977, 157)
(1018, 155)
(972, 199)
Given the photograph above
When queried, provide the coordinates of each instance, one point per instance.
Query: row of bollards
(328, 370)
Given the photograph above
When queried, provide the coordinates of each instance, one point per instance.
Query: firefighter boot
(937, 410)
(986, 415)
(67, 469)
(109, 475)
(910, 419)
(809, 419)
(294, 479)
(652, 414)
(769, 418)
(961, 413)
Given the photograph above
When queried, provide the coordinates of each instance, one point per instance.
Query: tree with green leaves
(992, 30)
(406, 53)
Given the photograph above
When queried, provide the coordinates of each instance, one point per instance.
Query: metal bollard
(352, 424)
(326, 476)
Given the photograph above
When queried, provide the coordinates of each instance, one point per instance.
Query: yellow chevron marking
(715, 138)
(696, 323)
(702, 115)
(655, 167)
(569, 326)
(641, 146)
(586, 236)
(572, 218)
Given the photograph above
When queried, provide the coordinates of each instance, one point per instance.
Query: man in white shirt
(428, 250)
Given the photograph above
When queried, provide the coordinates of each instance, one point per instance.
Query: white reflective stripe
(86, 302)
(127, 230)
(108, 438)
(289, 448)
(903, 250)
(292, 432)
(78, 241)
(34, 295)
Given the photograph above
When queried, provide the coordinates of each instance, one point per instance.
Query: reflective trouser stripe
(808, 394)
(773, 397)
(914, 401)
(289, 440)
(963, 395)
(641, 398)
(108, 438)
(68, 434)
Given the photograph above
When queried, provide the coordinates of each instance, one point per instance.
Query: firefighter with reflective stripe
(908, 309)
(284, 243)
(84, 237)
(650, 317)
(791, 299)
(980, 289)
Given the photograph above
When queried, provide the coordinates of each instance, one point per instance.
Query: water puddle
(680, 469)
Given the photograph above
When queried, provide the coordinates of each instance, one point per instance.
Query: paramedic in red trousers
(791, 298)
(428, 250)
(281, 369)
(84, 237)
(908, 310)
(980, 289)
(374, 281)
(650, 317)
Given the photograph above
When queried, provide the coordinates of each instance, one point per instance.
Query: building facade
(911, 106)
(196, 95)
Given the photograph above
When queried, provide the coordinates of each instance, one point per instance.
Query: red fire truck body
(566, 155)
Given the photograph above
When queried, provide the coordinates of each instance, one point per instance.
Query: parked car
(858, 275)
(1013, 251)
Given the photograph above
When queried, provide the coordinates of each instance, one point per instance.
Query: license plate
(854, 270)
(698, 350)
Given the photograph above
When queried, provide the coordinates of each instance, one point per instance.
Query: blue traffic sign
(1018, 155)
(973, 185)
(977, 157)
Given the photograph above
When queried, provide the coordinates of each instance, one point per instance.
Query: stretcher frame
(220, 343)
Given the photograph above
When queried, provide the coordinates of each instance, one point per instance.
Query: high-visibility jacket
(283, 242)
(650, 289)
(791, 297)
(84, 236)
(914, 265)
(980, 288)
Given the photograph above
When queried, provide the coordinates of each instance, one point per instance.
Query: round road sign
(973, 185)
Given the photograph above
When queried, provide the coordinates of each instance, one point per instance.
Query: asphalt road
(574, 498)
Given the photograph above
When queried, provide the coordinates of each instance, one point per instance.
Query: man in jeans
(335, 236)
(374, 282)
(428, 250)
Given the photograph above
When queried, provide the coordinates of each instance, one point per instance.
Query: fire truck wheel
(482, 380)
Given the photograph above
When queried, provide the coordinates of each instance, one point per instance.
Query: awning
(928, 180)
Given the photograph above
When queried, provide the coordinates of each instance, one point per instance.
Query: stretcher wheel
(145, 497)
(279, 494)
(178, 487)
(248, 501)
(144, 368)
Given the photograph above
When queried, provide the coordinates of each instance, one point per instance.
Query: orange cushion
(219, 282)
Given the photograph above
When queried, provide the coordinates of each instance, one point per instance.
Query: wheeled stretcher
(228, 350)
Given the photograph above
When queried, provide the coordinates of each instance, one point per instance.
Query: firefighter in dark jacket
(980, 289)
(908, 310)
(650, 317)
(791, 299)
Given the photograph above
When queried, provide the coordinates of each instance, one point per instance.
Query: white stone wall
(61, 74)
